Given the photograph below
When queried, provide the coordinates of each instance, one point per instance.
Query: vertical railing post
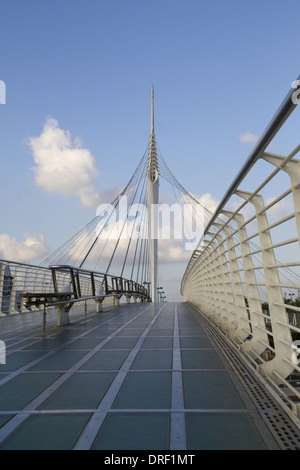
(44, 283)
(281, 334)
(36, 276)
(229, 318)
(218, 306)
(292, 168)
(73, 282)
(199, 285)
(2, 297)
(106, 285)
(242, 330)
(202, 267)
(77, 277)
(25, 284)
(259, 339)
(93, 284)
(13, 295)
(54, 279)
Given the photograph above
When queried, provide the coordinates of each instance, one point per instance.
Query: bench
(46, 298)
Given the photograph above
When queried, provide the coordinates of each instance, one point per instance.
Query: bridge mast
(152, 194)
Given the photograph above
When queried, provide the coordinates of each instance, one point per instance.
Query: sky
(76, 118)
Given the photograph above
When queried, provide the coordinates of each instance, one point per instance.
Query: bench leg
(62, 315)
(44, 318)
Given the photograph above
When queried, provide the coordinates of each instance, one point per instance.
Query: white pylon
(152, 195)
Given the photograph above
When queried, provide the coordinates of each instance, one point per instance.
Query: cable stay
(117, 240)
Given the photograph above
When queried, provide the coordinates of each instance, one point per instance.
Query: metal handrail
(282, 114)
(244, 275)
(19, 282)
(116, 287)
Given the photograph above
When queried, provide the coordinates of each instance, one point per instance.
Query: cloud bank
(31, 247)
(63, 166)
(248, 137)
(208, 201)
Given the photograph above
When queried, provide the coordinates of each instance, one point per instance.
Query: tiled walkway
(135, 377)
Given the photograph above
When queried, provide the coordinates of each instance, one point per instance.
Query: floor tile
(224, 431)
(145, 390)
(210, 390)
(134, 431)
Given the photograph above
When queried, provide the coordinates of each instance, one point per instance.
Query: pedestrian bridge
(138, 376)
(93, 357)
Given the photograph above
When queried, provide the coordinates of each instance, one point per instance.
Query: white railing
(17, 279)
(245, 274)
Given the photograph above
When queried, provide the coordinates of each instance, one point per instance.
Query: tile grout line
(36, 324)
(131, 410)
(12, 424)
(52, 335)
(12, 375)
(178, 427)
(92, 428)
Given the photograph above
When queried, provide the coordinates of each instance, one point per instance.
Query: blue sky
(220, 69)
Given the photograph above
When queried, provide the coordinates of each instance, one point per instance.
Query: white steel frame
(235, 277)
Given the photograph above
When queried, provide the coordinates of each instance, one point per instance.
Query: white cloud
(170, 251)
(248, 137)
(32, 247)
(63, 166)
(208, 201)
(279, 210)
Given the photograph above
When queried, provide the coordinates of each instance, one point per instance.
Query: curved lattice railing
(245, 273)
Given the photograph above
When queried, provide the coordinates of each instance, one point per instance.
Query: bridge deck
(135, 377)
